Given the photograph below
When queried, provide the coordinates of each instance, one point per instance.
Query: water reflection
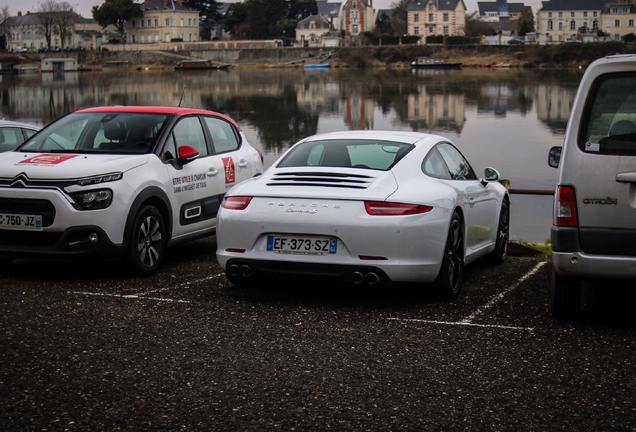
(503, 118)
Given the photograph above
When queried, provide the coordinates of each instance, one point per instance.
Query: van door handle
(213, 172)
(626, 177)
(242, 163)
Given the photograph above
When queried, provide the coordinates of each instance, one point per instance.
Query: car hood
(57, 166)
(320, 182)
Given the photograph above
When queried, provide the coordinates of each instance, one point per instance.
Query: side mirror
(490, 175)
(554, 157)
(187, 154)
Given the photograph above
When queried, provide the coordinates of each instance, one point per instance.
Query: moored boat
(198, 64)
(434, 63)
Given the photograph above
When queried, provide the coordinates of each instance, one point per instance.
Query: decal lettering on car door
(228, 165)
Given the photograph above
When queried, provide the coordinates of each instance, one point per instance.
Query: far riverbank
(566, 55)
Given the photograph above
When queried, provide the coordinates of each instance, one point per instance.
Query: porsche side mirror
(490, 175)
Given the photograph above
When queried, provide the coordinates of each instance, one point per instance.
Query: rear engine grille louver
(323, 179)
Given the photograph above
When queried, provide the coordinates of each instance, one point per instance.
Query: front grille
(29, 206)
(34, 239)
(324, 179)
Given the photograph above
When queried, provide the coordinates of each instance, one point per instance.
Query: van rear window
(608, 125)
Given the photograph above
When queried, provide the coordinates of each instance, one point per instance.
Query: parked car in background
(366, 207)
(594, 225)
(12, 134)
(21, 49)
(515, 41)
(120, 182)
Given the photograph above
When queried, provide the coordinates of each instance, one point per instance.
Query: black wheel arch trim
(150, 193)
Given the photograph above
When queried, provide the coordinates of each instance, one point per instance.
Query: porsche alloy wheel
(498, 255)
(449, 280)
(147, 242)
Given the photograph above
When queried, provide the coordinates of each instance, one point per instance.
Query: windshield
(353, 153)
(98, 133)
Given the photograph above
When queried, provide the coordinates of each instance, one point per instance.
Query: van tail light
(381, 208)
(236, 202)
(260, 155)
(566, 207)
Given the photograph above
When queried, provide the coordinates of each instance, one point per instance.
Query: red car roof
(154, 110)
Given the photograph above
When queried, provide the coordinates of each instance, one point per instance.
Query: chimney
(19, 13)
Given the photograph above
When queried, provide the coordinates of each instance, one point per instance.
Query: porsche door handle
(212, 172)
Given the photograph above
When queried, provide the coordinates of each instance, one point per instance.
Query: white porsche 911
(365, 206)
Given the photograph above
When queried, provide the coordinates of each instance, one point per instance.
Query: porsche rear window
(349, 153)
(608, 125)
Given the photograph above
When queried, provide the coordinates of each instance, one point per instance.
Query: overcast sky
(83, 7)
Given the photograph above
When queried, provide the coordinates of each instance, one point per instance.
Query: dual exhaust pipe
(240, 270)
(357, 277)
(372, 278)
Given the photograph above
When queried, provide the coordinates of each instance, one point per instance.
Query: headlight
(100, 179)
(93, 200)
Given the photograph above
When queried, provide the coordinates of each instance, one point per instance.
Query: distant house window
(134, 39)
(571, 14)
(416, 30)
(355, 5)
(617, 23)
(416, 17)
(156, 38)
(560, 14)
(430, 18)
(630, 23)
(167, 37)
(625, 10)
(445, 17)
(560, 26)
(445, 30)
(156, 22)
(549, 14)
(132, 23)
(572, 25)
(149, 23)
(595, 14)
(595, 24)
(614, 10)
(143, 38)
(430, 6)
(141, 23)
(354, 29)
(355, 16)
(584, 14)
(550, 25)
(431, 29)
(168, 23)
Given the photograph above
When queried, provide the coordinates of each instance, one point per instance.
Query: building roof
(572, 5)
(31, 19)
(418, 5)
(149, 5)
(320, 22)
(499, 6)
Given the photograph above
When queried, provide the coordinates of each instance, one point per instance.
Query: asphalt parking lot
(83, 347)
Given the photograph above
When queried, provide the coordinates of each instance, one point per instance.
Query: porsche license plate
(20, 221)
(302, 245)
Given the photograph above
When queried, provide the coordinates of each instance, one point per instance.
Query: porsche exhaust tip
(246, 271)
(234, 270)
(372, 278)
(357, 277)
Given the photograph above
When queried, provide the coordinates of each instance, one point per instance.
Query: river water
(504, 118)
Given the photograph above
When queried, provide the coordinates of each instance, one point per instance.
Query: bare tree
(64, 22)
(47, 17)
(4, 23)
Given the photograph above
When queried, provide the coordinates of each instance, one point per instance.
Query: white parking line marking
(502, 294)
(461, 323)
(468, 320)
(144, 295)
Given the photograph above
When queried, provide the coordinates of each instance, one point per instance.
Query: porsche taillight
(381, 208)
(566, 207)
(236, 202)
